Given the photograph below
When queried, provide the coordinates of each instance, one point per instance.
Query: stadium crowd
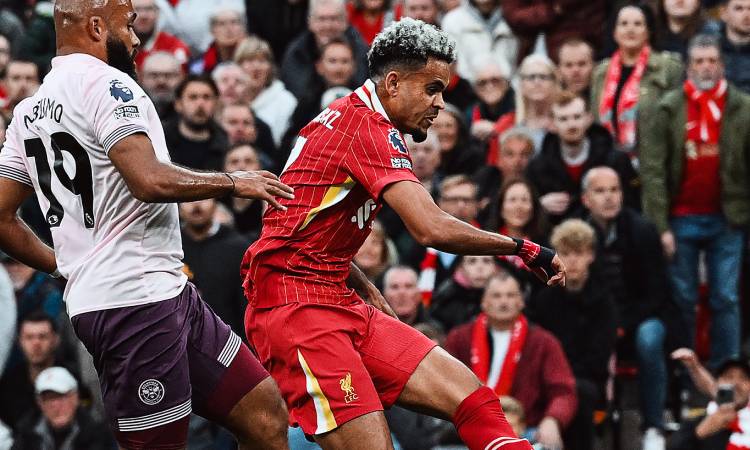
(615, 132)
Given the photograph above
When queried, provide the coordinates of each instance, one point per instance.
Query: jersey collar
(367, 94)
(74, 58)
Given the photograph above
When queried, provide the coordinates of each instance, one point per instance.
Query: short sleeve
(119, 107)
(378, 157)
(12, 160)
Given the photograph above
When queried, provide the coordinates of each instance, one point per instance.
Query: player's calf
(260, 419)
(481, 423)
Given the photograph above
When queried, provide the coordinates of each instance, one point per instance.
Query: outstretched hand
(261, 185)
(376, 299)
(556, 267)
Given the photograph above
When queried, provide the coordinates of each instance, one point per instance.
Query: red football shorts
(334, 363)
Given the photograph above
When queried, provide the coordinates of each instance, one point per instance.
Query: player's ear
(391, 83)
(96, 28)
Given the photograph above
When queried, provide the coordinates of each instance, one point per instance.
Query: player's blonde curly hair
(408, 43)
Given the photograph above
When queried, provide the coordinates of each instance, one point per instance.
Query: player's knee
(265, 419)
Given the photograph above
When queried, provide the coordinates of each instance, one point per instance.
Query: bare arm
(358, 281)
(151, 180)
(16, 238)
(433, 227)
(702, 378)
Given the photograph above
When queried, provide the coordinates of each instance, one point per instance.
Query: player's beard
(418, 135)
(119, 57)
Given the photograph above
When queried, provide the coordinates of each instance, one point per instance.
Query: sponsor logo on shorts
(346, 386)
(151, 392)
(127, 111)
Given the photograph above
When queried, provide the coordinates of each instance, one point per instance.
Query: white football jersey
(114, 250)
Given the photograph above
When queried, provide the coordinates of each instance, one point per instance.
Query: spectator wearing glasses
(228, 29)
(160, 74)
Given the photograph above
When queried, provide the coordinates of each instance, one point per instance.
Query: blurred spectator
(269, 98)
(626, 87)
(10, 313)
(556, 20)
(228, 30)
(205, 243)
(11, 27)
(375, 254)
(37, 43)
(459, 92)
(725, 425)
(519, 214)
(457, 197)
(242, 127)
(576, 145)
(677, 22)
(21, 81)
(538, 87)
(425, 157)
(39, 341)
(427, 11)
(333, 70)
(515, 357)
(401, 291)
(516, 416)
(447, 6)
(479, 28)
(735, 42)
(368, 17)
(152, 37)
(276, 21)
(630, 255)
(458, 153)
(196, 18)
(5, 52)
(582, 316)
(247, 213)
(695, 189)
(194, 139)
(495, 98)
(62, 424)
(160, 75)
(233, 84)
(457, 300)
(326, 21)
(516, 149)
(576, 63)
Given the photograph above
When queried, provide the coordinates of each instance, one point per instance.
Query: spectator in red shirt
(152, 38)
(517, 358)
(695, 189)
(369, 17)
(567, 154)
(228, 30)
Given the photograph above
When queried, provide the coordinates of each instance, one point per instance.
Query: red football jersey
(338, 168)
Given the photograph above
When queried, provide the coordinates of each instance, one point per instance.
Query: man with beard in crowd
(195, 140)
(160, 75)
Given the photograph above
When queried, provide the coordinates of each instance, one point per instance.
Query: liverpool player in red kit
(338, 360)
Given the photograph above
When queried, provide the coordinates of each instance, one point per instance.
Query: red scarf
(627, 106)
(481, 359)
(704, 111)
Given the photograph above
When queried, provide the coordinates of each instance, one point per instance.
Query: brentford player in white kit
(90, 145)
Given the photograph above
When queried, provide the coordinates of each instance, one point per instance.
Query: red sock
(481, 423)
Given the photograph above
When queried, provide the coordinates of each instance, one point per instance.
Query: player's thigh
(438, 385)
(229, 384)
(140, 354)
(368, 432)
(310, 351)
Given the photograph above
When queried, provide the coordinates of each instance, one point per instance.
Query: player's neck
(71, 49)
